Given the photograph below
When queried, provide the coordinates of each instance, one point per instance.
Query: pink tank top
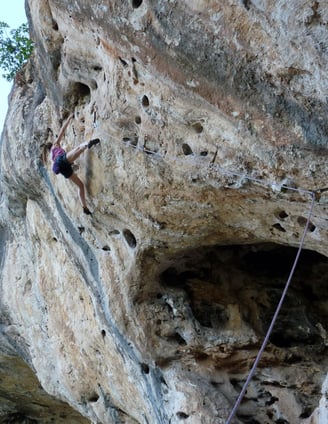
(56, 151)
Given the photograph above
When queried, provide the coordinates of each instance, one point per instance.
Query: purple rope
(266, 339)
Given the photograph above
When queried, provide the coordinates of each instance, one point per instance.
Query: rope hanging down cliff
(315, 196)
(266, 339)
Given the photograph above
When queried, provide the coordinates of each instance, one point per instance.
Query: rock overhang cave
(213, 133)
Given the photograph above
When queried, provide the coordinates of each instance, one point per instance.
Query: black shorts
(65, 168)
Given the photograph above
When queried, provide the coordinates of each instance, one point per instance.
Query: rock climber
(62, 161)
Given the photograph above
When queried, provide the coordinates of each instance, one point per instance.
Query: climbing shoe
(93, 142)
(86, 211)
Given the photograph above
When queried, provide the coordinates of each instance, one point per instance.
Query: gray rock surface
(212, 120)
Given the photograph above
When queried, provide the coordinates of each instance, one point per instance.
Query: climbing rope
(266, 339)
(315, 196)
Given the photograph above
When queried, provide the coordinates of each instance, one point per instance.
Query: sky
(13, 13)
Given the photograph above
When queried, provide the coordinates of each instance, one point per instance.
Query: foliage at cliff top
(15, 49)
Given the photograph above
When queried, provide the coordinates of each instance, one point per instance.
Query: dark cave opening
(78, 93)
(214, 305)
(253, 277)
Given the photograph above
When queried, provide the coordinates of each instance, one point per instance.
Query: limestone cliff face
(213, 125)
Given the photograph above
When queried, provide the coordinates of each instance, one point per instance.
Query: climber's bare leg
(76, 180)
(73, 154)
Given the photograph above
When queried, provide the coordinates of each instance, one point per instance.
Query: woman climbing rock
(62, 161)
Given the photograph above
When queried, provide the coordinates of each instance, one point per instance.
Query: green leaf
(15, 49)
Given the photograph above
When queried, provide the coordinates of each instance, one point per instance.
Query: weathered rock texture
(153, 309)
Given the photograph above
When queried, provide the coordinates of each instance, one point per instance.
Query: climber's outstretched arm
(63, 129)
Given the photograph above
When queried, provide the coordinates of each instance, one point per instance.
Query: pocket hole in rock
(93, 398)
(134, 141)
(78, 93)
(130, 239)
(103, 333)
(302, 221)
(186, 149)
(138, 120)
(201, 356)
(214, 383)
(106, 248)
(236, 383)
(54, 25)
(145, 101)
(81, 89)
(247, 4)
(124, 63)
(204, 153)
(176, 338)
(198, 127)
(282, 214)
(94, 85)
(162, 380)
(145, 368)
(136, 3)
(272, 400)
(306, 413)
(279, 227)
(182, 415)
